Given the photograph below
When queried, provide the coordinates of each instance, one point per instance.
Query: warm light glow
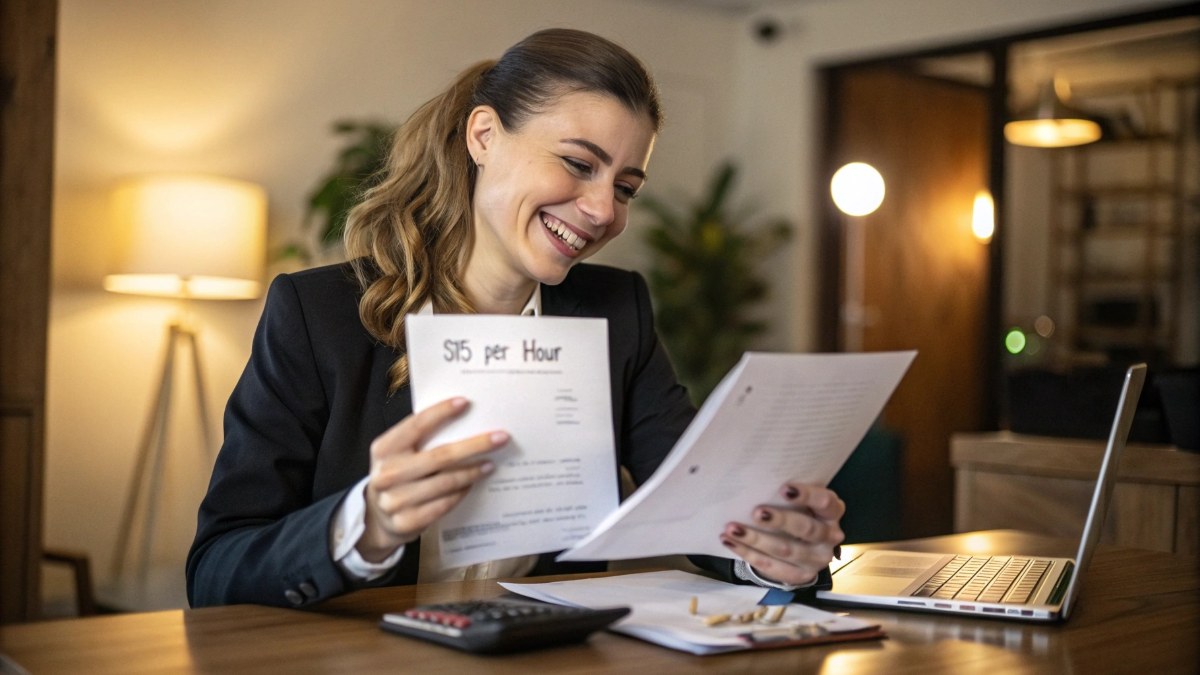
(1058, 133)
(191, 236)
(977, 543)
(857, 189)
(983, 217)
(1044, 326)
(174, 286)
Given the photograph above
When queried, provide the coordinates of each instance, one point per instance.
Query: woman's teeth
(569, 238)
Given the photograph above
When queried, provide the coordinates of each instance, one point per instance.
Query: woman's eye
(626, 193)
(581, 168)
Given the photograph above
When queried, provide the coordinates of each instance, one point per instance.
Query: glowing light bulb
(857, 189)
(983, 217)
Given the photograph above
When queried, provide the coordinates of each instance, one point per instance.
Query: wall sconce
(857, 189)
(1051, 123)
(193, 238)
(983, 217)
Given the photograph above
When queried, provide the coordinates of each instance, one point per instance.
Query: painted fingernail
(499, 437)
(791, 492)
(737, 531)
(764, 515)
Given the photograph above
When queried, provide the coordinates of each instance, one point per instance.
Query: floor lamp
(857, 189)
(191, 238)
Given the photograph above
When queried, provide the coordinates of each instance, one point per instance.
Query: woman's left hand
(790, 544)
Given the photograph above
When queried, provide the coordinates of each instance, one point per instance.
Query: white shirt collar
(533, 307)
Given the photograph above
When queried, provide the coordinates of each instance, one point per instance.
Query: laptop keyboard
(1002, 579)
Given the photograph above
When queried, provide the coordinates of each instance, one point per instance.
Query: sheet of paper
(545, 381)
(660, 608)
(774, 418)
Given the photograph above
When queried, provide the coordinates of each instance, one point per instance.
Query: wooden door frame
(28, 33)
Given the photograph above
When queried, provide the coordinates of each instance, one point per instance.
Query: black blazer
(314, 395)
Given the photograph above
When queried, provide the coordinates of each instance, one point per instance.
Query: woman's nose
(596, 203)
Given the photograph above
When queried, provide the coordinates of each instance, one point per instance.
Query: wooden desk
(1041, 484)
(1140, 623)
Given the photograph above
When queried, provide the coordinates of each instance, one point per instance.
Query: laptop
(1025, 588)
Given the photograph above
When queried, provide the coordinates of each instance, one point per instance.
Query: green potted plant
(704, 279)
(359, 162)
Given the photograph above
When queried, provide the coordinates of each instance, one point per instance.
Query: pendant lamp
(1051, 123)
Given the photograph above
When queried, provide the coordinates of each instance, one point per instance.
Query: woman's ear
(482, 127)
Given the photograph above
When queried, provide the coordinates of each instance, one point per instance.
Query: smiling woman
(494, 193)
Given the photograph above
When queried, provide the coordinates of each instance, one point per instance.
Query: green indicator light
(1014, 341)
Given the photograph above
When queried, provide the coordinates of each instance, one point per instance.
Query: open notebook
(1026, 588)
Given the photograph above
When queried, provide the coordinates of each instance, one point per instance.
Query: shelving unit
(1121, 225)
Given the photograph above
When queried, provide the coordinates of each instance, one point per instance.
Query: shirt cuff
(349, 523)
(743, 571)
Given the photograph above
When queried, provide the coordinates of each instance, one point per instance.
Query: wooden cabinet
(1044, 485)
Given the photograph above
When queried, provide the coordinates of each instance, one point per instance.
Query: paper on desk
(774, 418)
(546, 382)
(659, 605)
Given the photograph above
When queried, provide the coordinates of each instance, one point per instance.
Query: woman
(495, 191)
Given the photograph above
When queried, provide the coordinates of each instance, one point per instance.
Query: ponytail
(409, 237)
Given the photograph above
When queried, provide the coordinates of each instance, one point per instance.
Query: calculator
(500, 625)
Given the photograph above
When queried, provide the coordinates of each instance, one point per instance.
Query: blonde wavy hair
(410, 236)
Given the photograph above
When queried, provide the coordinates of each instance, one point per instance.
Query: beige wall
(249, 90)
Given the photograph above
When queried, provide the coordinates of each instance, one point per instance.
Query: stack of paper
(662, 612)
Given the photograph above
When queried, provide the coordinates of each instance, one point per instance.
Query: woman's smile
(570, 241)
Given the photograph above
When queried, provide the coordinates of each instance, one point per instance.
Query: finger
(409, 523)
(770, 567)
(822, 502)
(780, 546)
(403, 468)
(413, 495)
(798, 525)
(404, 512)
(411, 432)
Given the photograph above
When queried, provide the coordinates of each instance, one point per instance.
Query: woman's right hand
(408, 489)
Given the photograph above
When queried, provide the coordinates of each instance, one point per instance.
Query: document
(774, 418)
(722, 617)
(545, 381)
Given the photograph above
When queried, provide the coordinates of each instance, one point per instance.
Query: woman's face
(555, 191)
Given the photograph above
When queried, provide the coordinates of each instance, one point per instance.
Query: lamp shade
(190, 236)
(1051, 123)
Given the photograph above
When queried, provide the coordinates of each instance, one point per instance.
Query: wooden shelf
(1121, 191)
(1117, 226)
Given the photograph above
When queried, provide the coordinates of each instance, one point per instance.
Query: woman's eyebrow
(603, 155)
